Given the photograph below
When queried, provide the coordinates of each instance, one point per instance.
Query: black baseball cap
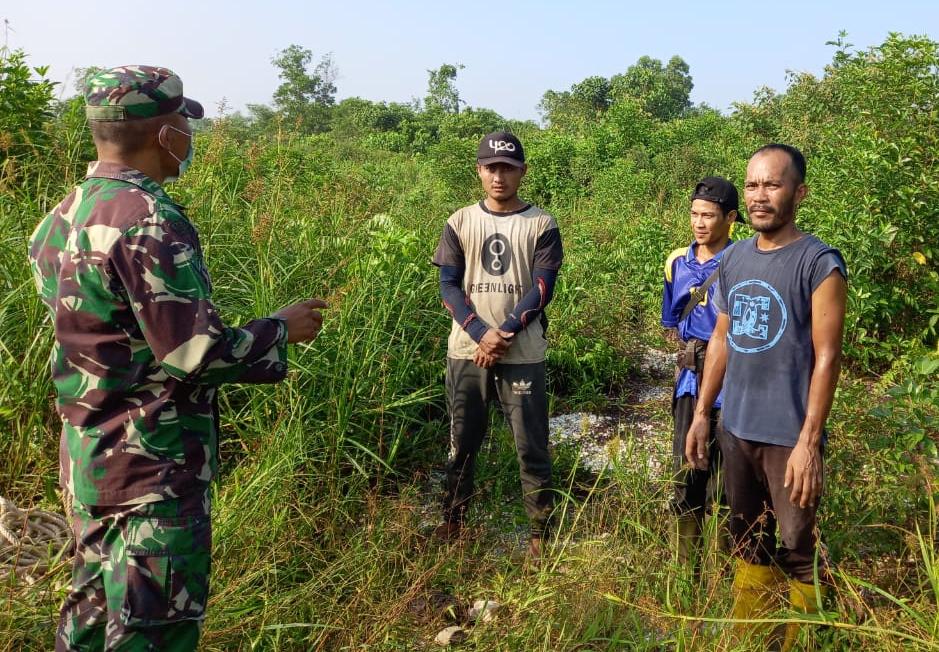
(500, 147)
(720, 191)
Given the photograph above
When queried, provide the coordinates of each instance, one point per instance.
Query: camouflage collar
(105, 170)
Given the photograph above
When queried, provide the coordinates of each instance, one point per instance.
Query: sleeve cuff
(281, 342)
(512, 325)
(476, 329)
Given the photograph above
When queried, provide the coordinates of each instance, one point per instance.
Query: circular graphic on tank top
(758, 316)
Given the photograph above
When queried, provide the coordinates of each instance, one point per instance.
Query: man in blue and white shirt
(687, 309)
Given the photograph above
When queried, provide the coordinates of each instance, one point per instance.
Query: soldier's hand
(493, 344)
(304, 320)
(696, 443)
(805, 474)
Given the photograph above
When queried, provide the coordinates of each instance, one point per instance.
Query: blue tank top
(767, 295)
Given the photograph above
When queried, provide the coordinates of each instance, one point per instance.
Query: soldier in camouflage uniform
(138, 355)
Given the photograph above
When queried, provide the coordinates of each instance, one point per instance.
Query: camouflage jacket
(139, 348)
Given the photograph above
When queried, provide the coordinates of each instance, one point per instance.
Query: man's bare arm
(804, 471)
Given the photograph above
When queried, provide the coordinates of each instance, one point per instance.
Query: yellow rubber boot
(802, 599)
(754, 590)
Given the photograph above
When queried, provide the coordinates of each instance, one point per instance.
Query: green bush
(24, 103)
(870, 131)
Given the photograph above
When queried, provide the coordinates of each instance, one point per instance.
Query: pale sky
(512, 52)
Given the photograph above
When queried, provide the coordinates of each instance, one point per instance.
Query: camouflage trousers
(140, 578)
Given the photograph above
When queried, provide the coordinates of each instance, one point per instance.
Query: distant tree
(471, 123)
(355, 117)
(442, 94)
(261, 113)
(761, 117)
(592, 94)
(663, 91)
(584, 102)
(305, 96)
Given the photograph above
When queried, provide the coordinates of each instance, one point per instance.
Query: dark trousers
(754, 473)
(521, 392)
(695, 490)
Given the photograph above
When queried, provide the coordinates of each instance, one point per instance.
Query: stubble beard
(778, 219)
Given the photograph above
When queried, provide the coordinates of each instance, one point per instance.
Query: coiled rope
(31, 541)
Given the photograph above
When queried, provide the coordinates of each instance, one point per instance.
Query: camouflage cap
(134, 92)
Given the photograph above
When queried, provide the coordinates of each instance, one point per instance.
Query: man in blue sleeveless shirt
(688, 311)
(776, 350)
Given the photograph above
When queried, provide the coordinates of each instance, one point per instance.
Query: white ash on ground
(451, 636)
(650, 393)
(430, 508)
(657, 362)
(602, 442)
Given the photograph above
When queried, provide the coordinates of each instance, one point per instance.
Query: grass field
(330, 480)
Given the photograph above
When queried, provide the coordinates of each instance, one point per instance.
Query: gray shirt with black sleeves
(499, 252)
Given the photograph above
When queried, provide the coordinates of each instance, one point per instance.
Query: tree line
(631, 145)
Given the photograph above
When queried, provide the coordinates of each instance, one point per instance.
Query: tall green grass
(321, 509)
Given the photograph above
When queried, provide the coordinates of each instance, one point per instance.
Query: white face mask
(183, 163)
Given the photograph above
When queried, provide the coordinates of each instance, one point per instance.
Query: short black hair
(129, 136)
(798, 160)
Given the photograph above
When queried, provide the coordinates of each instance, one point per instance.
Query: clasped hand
(492, 346)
